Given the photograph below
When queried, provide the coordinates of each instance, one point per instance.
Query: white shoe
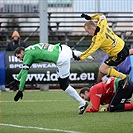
(5, 90)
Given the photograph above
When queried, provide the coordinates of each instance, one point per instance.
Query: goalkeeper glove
(18, 95)
(75, 57)
(103, 109)
(85, 16)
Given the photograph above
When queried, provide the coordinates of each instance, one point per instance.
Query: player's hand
(85, 16)
(18, 95)
(75, 57)
(90, 58)
(104, 109)
(13, 84)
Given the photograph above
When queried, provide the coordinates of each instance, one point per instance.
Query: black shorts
(122, 94)
(116, 60)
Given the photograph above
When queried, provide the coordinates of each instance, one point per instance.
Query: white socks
(73, 93)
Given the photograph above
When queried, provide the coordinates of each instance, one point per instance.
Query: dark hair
(18, 50)
(82, 91)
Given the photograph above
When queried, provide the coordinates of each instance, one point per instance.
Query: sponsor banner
(81, 71)
(2, 68)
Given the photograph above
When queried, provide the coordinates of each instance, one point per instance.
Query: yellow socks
(112, 72)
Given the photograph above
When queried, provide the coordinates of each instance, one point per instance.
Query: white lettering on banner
(26, 67)
(73, 76)
(14, 59)
(38, 65)
(48, 76)
(83, 76)
(11, 66)
(53, 77)
(91, 76)
(15, 66)
(38, 77)
(48, 65)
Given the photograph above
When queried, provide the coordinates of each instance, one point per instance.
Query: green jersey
(35, 54)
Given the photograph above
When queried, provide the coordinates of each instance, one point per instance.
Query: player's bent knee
(104, 68)
(101, 70)
(64, 83)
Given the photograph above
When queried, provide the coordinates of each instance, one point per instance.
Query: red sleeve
(95, 97)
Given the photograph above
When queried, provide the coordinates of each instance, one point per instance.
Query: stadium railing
(65, 27)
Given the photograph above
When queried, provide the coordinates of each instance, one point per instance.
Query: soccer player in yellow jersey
(104, 38)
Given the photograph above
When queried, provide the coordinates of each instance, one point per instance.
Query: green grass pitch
(56, 112)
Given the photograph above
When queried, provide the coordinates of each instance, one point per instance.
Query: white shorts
(63, 62)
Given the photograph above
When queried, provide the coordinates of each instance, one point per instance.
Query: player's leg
(114, 61)
(113, 72)
(63, 72)
(118, 103)
(110, 71)
(64, 85)
(99, 76)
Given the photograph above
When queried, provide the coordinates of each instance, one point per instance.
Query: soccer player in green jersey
(58, 54)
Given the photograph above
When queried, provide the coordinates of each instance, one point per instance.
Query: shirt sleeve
(95, 101)
(98, 39)
(27, 62)
(98, 17)
(96, 43)
(22, 77)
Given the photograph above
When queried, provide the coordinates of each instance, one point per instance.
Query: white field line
(33, 101)
(38, 128)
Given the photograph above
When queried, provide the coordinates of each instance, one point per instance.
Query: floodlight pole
(43, 6)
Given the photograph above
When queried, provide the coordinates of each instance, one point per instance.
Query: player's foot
(82, 108)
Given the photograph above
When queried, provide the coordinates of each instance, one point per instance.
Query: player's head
(90, 27)
(15, 36)
(19, 52)
(84, 93)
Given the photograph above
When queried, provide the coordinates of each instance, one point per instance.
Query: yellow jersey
(105, 39)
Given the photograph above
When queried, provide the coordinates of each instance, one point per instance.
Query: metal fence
(63, 18)
(68, 5)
